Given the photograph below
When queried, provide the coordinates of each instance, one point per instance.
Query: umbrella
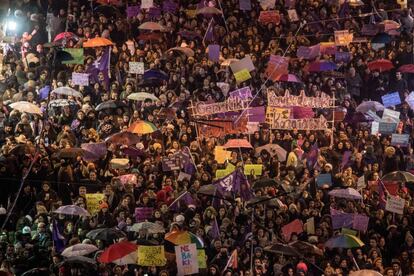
(142, 96)
(208, 10)
(269, 201)
(364, 107)
(150, 83)
(61, 102)
(70, 152)
(399, 176)
(407, 68)
(237, 143)
(27, 107)
(264, 182)
(306, 248)
(344, 241)
(94, 151)
(184, 237)
(79, 249)
(67, 91)
(155, 74)
(123, 138)
(365, 272)
(356, 3)
(321, 66)
(381, 38)
(133, 152)
(97, 42)
(348, 193)
(150, 227)
(151, 26)
(65, 35)
(289, 78)
(81, 260)
(388, 25)
(380, 64)
(149, 36)
(72, 210)
(105, 234)
(142, 127)
(111, 104)
(185, 50)
(209, 190)
(283, 249)
(121, 253)
(274, 149)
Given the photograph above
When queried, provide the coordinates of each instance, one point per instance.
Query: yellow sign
(343, 38)
(201, 257)
(255, 169)
(228, 170)
(190, 13)
(402, 3)
(242, 75)
(93, 201)
(274, 114)
(221, 155)
(151, 255)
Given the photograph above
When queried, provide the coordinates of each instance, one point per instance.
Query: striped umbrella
(142, 127)
(183, 237)
(344, 241)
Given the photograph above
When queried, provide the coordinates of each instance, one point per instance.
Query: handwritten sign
(221, 155)
(324, 179)
(401, 140)
(221, 128)
(172, 163)
(243, 93)
(395, 205)
(143, 213)
(151, 255)
(93, 201)
(187, 259)
(80, 79)
(343, 38)
(136, 67)
(201, 258)
(301, 124)
(387, 128)
(342, 56)
(274, 114)
(391, 99)
(310, 226)
(255, 169)
(242, 76)
(302, 100)
(295, 226)
(228, 170)
(267, 17)
(231, 104)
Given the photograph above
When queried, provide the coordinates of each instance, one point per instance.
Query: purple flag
(154, 12)
(312, 156)
(187, 163)
(214, 52)
(308, 52)
(256, 114)
(234, 183)
(209, 35)
(101, 65)
(183, 200)
(58, 239)
(342, 220)
(342, 56)
(345, 158)
(215, 231)
(143, 213)
(133, 11)
(245, 5)
(44, 92)
(169, 6)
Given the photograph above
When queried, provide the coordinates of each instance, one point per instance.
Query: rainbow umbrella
(183, 237)
(142, 127)
(344, 241)
(321, 66)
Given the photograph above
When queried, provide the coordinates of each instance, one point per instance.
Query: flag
(77, 56)
(58, 239)
(44, 92)
(101, 65)
(215, 231)
(184, 199)
(277, 66)
(232, 262)
(312, 155)
(345, 158)
(209, 35)
(187, 162)
(234, 183)
(382, 190)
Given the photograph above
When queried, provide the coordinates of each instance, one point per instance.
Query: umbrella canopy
(149, 36)
(151, 26)
(283, 249)
(209, 190)
(399, 176)
(321, 66)
(288, 78)
(72, 210)
(142, 96)
(155, 74)
(133, 152)
(67, 91)
(364, 107)
(388, 25)
(306, 248)
(65, 35)
(381, 38)
(94, 151)
(123, 138)
(70, 152)
(142, 127)
(381, 65)
(79, 249)
(365, 272)
(149, 227)
(27, 107)
(208, 10)
(237, 143)
(120, 253)
(349, 193)
(111, 104)
(264, 182)
(272, 202)
(344, 241)
(407, 68)
(97, 42)
(184, 50)
(105, 234)
(184, 237)
(79, 260)
(274, 149)
(61, 102)
(356, 3)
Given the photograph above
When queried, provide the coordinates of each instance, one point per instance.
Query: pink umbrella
(408, 68)
(289, 78)
(67, 35)
(238, 143)
(382, 65)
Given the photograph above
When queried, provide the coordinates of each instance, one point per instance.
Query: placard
(301, 124)
(244, 63)
(147, 4)
(221, 128)
(395, 205)
(242, 76)
(172, 163)
(390, 116)
(256, 169)
(387, 128)
(151, 255)
(341, 220)
(274, 114)
(133, 11)
(295, 226)
(81, 79)
(310, 226)
(186, 259)
(374, 128)
(136, 67)
(267, 17)
(401, 140)
(342, 57)
(373, 115)
(214, 52)
(243, 93)
(410, 100)
(293, 15)
(245, 5)
(93, 201)
(267, 4)
(391, 99)
(143, 213)
(201, 258)
(343, 38)
(221, 155)
(324, 179)
(324, 101)
(361, 183)
(360, 222)
(230, 104)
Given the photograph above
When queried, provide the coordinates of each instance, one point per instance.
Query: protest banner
(172, 163)
(143, 213)
(214, 52)
(302, 112)
(136, 67)
(387, 128)
(186, 259)
(341, 220)
(295, 226)
(343, 38)
(133, 11)
(230, 104)
(327, 48)
(245, 5)
(256, 114)
(324, 179)
(151, 255)
(273, 114)
(221, 155)
(243, 93)
(220, 128)
(293, 15)
(242, 76)
(401, 140)
(301, 124)
(374, 128)
(360, 222)
(266, 17)
(390, 116)
(201, 258)
(395, 204)
(253, 169)
(310, 52)
(80, 79)
(391, 99)
(310, 226)
(302, 100)
(146, 4)
(342, 57)
(183, 176)
(252, 127)
(93, 201)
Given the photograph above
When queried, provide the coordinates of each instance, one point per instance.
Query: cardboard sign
(360, 222)
(267, 4)
(143, 213)
(147, 4)
(243, 93)
(133, 11)
(242, 76)
(274, 114)
(402, 3)
(221, 128)
(293, 15)
(221, 155)
(310, 226)
(391, 99)
(93, 201)
(244, 63)
(390, 116)
(395, 205)
(267, 17)
(295, 226)
(301, 124)
(343, 38)
(252, 127)
(324, 179)
(245, 5)
(172, 163)
(327, 48)
(401, 140)
(81, 79)
(201, 258)
(136, 67)
(387, 128)
(374, 128)
(230, 104)
(361, 183)
(224, 172)
(187, 259)
(324, 101)
(253, 169)
(151, 255)
(310, 52)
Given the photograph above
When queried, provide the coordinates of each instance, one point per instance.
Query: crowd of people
(42, 168)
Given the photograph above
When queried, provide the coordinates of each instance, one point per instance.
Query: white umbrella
(27, 107)
(61, 102)
(349, 193)
(67, 91)
(151, 227)
(73, 210)
(370, 105)
(79, 249)
(142, 96)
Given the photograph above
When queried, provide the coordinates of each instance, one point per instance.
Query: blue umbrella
(381, 38)
(155, 74)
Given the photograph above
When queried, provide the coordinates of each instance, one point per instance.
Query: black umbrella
(211, 190)
(306, 248)
(399, 176)
(151, 83)
(70, 152)
(283, 249)
(111, 104)
(265, 182)
(105, 234)
(270, 201)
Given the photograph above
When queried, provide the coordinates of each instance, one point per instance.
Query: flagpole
(224, 18)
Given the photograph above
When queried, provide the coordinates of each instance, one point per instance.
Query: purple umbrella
(72, 210)
(321, 66)
(348, 193)
(93, 151)
(133, 152)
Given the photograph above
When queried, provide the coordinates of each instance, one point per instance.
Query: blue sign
(324, 179)
(391, 99)
(400, 140)
(387, 128)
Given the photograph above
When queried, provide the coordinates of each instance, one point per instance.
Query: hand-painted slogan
(220, 128)
(151, 255)
(93, 201)
(186, 257)
(231, 104)
(302, 100)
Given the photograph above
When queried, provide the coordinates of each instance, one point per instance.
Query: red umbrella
(67, 35)
(238, 143)
(380, 64)
(408, 68)
(116, 252)
(289, 78)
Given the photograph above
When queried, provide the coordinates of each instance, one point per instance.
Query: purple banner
(171, 163)
(143, 213)
(243, 93)
(169, 6)
(256, 114)
(245, 5)
(214, 52)
(342, 56)
(342, 220)
(302, 112)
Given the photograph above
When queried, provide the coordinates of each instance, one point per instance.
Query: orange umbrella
(97, 42)
(238, 143)
(208, 10)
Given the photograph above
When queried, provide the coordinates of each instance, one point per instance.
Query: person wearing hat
(391, 161)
